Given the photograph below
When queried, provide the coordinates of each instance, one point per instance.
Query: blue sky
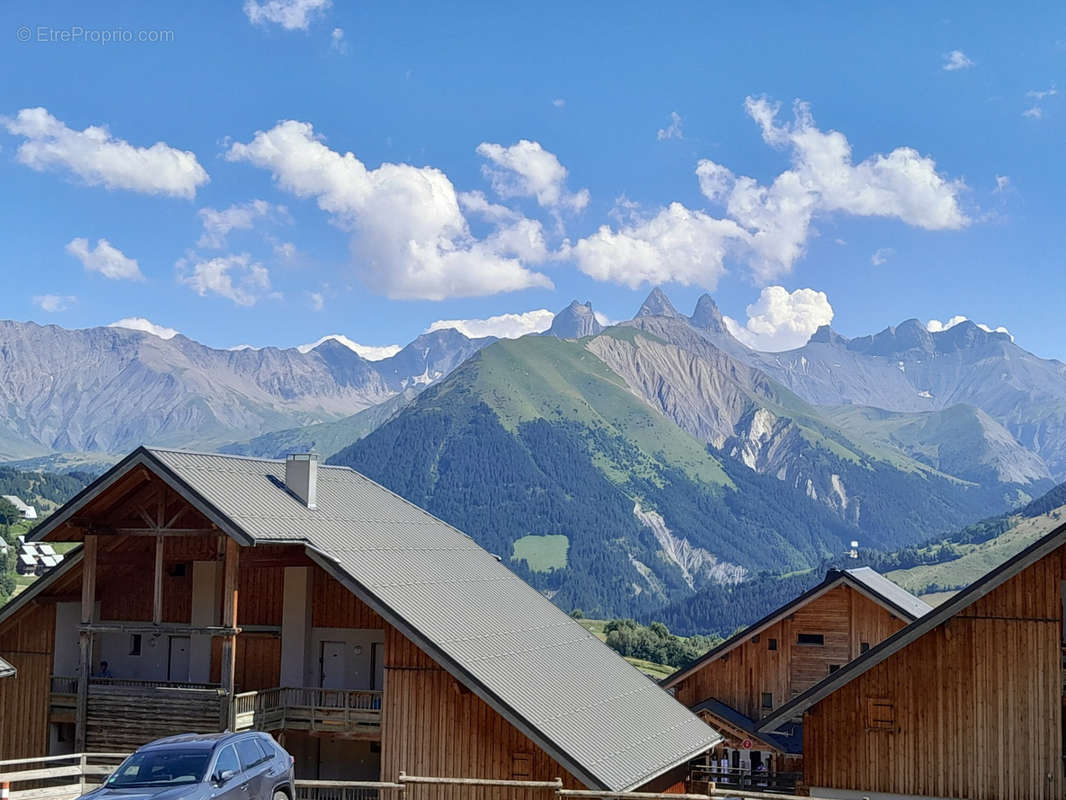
(505, 160)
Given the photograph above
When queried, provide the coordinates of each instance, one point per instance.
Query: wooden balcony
(125, 713)
(351, 713)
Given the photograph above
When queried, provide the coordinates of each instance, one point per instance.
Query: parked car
(226, 766)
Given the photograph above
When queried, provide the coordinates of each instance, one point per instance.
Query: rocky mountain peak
(707, 315)
(826, 335)
(658, 305)
(575, 321)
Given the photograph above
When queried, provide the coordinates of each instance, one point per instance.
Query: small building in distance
(26, 511)
(213, 592)
(758, 670)
(965, 702)
(6, 670)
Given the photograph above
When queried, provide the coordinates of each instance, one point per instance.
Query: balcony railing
(347, 711)
(130, 705)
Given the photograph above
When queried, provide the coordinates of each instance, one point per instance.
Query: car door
(233, 788)
(254, 763)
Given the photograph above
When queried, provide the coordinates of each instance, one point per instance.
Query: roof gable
(584, 705)
(6, 669)
(950, 608)
(871, 584)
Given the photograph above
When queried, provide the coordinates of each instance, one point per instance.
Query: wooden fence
(66, 777)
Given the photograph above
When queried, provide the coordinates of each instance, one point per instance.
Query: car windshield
(161, 767)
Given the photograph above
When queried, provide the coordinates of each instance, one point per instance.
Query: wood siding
(432, 725)
(973, 709)
(843, 616)
(27, 642)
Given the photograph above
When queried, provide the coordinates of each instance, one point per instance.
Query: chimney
(301, 477)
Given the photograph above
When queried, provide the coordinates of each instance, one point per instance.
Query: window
(771, 644)
(521, 768)
(880, 714)
(160, 767)
(250, 753)
(767, 700)
(227, 761)
(864, 646)
(833, 668)
(755, 639)
(135, 644)
(810, 639)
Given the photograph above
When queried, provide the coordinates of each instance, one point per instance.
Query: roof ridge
(237, 457)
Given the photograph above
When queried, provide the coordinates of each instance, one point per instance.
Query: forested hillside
(545, 456)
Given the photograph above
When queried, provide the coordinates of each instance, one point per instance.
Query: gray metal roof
(881, 590)
(949, 608)
(890, 592)
(6, 670)
(586, 706)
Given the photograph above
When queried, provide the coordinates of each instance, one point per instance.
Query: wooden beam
(230, 566)
(151, 629)
(157, 584)
(85, 638)
(105, 530)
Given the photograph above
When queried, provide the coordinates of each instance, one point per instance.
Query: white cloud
(936, 326)
(558, 102)
(235, 277)
(318, 301)
(240, 216)
(336, 41)
(881, 255)
(956, 60)
(824, 179)
(768, 226)
(1034, 112)
(291, 15)
(368, 351)
(109, 261)
(677, 244)
(503, 326)
(673, 130)
(411, 240)
(286, 251)
(54, 302)
(782, 320)
(1040, 94)
(528, 170)
(100, 159)
(602, 318)
(146, 326)
(1002, 183)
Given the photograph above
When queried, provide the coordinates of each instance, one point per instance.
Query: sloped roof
(602, 719)
(790, 742)
(889, 592)
(895, 599)
(893, 644)
(6, 670)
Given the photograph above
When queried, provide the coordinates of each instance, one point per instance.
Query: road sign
(746, 744)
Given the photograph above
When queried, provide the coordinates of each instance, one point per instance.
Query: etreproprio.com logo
(76, 34)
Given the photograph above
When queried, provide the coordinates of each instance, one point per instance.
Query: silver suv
(222, 766)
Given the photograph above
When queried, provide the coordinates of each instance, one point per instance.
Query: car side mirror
(224, 775)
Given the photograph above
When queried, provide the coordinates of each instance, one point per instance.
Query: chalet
(759, 669)
(25, 510)
(215, 592)
(965, 702)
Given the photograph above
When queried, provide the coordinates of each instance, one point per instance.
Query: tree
(8, 515)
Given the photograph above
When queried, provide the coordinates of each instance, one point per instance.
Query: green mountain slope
(629, 470)
(538, 438)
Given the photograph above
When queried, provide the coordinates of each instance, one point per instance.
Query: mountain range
(620, 469)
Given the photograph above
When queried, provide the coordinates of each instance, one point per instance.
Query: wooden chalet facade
(215, 592)
(966, 702)
(761, 668)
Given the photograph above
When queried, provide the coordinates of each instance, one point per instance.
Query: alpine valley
(621, 470)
